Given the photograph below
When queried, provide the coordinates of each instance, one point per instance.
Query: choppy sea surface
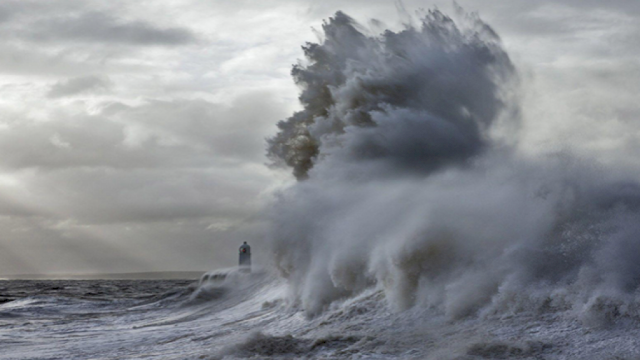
(233, 315)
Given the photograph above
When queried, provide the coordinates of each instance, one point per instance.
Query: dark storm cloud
(78, 85)
(100, 27)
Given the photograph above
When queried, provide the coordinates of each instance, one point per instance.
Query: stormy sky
(132, 134)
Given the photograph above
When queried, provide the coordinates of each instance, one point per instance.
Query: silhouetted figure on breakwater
(245, 257)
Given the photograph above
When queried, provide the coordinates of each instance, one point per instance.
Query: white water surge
(410, 181)
(235, 315)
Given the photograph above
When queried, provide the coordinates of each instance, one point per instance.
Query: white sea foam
(405, 184)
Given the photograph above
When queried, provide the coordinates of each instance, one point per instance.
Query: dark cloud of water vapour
(403, 185)
(417, 99)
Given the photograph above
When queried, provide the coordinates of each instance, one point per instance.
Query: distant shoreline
(155, 275)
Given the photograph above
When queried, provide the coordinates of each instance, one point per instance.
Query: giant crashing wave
(410, 180)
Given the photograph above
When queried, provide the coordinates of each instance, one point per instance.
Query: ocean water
(236, 315)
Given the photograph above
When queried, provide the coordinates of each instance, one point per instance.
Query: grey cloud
(78, 85)
(35, 61)
(158, 134)
(44, 246)
(38, 245)
(621, 6)
(151, 166)
(99, 27)
(25, 7)
(233, 131)
(4, 14)
(516, 17)
(90, 141)
(11, 207)
(107, 196)
(106, 220)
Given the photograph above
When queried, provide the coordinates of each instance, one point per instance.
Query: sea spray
(403, 185)
(411, 101)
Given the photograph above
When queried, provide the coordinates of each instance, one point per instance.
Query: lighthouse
(245, 257)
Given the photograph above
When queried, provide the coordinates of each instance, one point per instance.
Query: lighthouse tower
(245, 257)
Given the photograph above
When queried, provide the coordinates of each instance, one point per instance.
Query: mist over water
(405, 184)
